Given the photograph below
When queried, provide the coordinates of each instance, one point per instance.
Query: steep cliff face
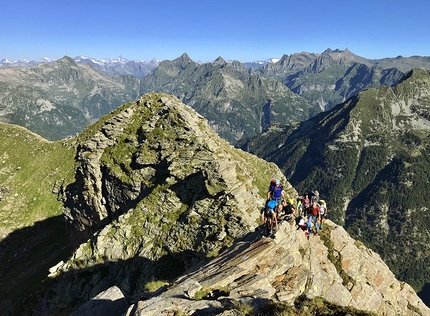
(289, 269)
(156, 191)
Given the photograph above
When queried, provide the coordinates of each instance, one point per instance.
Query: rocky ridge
(256, 270)
(156, 192)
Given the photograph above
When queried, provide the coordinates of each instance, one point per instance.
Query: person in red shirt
(314, 216)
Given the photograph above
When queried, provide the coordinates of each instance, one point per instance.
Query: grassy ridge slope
(33, 236)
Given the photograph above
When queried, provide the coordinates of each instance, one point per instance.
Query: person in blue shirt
(276, 192)
(268, 216)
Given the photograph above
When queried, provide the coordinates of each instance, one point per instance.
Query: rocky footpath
(257, 270)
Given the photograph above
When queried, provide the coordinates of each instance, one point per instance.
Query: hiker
(271, 188)
(323, 212)
(306, 202)
(300, 206)
(314, 216)
(288, 209)
(276, 192)
(268, 216)
(315, 197)
(304, 226)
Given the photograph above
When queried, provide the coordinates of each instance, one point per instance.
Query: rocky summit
(158, 196)
(156, 192)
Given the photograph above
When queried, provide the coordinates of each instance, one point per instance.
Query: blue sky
(206, 29)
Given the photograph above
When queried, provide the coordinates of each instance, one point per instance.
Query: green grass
(153, 286)
(33, 234)
(32, 169)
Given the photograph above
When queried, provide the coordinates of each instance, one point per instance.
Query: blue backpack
(272, 204)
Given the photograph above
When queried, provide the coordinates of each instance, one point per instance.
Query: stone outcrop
(284, 268)
(369, 159)
(159, 143)
(109, 302)
(156, 191)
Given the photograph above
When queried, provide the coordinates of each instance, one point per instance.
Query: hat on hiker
(277, 181)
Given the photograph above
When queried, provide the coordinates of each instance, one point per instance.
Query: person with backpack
(287, 208)
(314, 197)
(323, 212)
(276, 192)
(314, 217)
(272, 186)
(268, 216)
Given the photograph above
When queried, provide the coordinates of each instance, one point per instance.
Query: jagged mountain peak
(229, 92)
(66, 60)
(219, 61)
(184, 59)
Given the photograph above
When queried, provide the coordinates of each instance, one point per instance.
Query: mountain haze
(368, 157)
(110, 66)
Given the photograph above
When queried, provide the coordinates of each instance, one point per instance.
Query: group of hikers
(308, 210)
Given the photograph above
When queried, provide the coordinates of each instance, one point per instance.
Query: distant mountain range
(114, 66)
(59, 100)
(239, 100)
(110, 66)
(236, 100)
